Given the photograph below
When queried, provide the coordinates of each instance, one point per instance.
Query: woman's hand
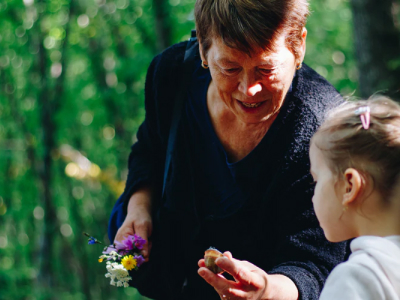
(138, 219)
(251, 282)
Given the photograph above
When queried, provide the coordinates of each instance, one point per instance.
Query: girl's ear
(352, 185)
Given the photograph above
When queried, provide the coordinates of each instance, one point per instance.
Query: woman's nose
(254, 89)
(250, 87)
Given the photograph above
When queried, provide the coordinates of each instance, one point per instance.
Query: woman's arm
(303, 254)
(132, 212)
(141, 199)
(138, 218)
(302, 258)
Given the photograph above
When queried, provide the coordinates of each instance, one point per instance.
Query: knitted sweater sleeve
(303, 254)
(146, 153)
(143, 159)
(146, 160)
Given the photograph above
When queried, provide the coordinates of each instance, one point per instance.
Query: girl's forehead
(317, 159)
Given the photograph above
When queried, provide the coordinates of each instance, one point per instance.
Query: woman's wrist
(280, 287)
(141, 198)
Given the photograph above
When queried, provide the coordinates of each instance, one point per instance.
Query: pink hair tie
(364, 113)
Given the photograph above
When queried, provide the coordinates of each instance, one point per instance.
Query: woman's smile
(251, 105)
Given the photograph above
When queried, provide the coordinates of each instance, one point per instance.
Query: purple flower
(118, 247)
(121, 247)
(108, 249)
(128, 242)
(139, 260)
(139, 241)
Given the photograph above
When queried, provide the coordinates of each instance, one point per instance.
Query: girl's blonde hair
(374, 152)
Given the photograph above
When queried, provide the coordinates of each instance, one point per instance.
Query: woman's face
(252, 87)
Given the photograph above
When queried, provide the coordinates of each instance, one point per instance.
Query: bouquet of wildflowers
(121, 257)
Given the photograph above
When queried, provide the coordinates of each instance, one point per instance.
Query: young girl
(355, 162)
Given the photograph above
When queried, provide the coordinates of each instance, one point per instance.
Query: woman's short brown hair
(250, 24)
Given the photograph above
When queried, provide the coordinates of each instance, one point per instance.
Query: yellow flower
(129, 262)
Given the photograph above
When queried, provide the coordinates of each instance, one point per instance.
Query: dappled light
(72, 77)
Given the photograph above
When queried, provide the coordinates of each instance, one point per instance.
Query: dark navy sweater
(260, 209)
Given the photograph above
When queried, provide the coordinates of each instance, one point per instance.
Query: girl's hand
(250, 283)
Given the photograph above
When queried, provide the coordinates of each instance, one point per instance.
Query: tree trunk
(377, 43)
(163, 24)
(47, 123)
(49, 103)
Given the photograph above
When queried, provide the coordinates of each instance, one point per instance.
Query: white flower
(118, 274)
(114, 255)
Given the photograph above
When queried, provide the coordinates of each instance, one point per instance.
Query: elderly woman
(238, 172)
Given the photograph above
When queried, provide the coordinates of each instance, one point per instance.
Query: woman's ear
(203, 58)
(302, 50)
(352, 185)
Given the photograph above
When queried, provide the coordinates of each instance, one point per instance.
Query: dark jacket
(279, 233)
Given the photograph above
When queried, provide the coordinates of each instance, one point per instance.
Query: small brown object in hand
(210, 255)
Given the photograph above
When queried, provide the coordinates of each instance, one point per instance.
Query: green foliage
(330, 44)
(71, 89)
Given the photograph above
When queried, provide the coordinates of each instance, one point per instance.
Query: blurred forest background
(71, 99)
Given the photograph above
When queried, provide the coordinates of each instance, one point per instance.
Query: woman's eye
(266, 71)
(231, 70)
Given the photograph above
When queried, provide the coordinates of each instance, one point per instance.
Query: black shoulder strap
(188, 66)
